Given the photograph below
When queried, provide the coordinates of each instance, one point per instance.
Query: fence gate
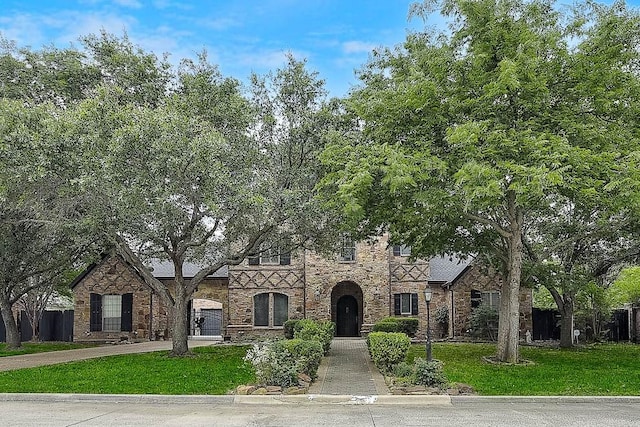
(206, 321)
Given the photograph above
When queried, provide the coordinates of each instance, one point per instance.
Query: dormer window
(347, 249)
(271, 255)
(402, 250)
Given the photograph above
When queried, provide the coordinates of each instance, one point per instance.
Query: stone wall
(369, 272)
(113, 276)
(482, 279)
(246, 281)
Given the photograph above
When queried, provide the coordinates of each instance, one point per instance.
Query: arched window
(270, 309)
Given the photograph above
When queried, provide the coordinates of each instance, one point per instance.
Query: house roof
(159, 269)
(447, 268)
(164, 269)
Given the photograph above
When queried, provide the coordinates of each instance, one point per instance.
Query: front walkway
(348, 370)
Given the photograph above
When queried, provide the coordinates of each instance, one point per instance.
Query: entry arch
(347, 309)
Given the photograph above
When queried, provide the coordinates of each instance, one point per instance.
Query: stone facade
(479, 279)
(113, 276)
(257, 297)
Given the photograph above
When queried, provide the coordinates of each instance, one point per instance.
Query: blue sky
(241, 36)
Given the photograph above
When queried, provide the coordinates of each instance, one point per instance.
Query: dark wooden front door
(347, 317)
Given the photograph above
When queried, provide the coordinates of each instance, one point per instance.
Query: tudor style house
(362, 284)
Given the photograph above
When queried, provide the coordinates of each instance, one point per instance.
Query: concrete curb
(308, 399)
(456, 400)
(312, 399)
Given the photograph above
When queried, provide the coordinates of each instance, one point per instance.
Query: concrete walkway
(348, 370)
(10, 363)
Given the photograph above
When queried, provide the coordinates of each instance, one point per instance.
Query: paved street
(349, 392)
(468, 412)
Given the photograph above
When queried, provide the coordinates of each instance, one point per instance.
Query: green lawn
(41, 347)
(606, 369)
(213, 370)
(596, 370)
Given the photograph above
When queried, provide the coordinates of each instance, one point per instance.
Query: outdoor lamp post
(427, 298)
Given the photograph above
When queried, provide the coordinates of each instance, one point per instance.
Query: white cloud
(355, 46)
(134, 4)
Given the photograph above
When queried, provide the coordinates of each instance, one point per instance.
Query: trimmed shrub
(387, 349)
(273, 364)
(289, 328)
(307, 329)
(406, 325)
(386, 325)
(429, 374)
(307, 355)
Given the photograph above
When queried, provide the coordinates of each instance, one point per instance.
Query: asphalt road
(222, 412)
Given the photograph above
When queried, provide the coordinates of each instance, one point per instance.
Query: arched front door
(347, 317)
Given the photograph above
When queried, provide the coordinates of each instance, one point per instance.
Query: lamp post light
(427, 298)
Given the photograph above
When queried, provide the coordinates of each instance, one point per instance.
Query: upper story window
(271, 256)
(402, 250)
(347, 249)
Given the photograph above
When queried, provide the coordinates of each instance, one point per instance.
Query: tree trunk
(509, 321)
(564, 303)
(11, 327)
(179, 317)
(566, 325)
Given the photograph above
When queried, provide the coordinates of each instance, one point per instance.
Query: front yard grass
(212, 370)
(603, 369)
(41, 347)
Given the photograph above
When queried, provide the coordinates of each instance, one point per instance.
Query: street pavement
(349, 391)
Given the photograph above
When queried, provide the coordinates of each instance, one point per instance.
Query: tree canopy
(468, 137)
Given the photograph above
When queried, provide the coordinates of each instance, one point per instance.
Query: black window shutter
(396, 304)
(254, 260)
(476, 298)
(414, 304)
(285, 259)
(396, 250)
(126, 316)
(95, 317)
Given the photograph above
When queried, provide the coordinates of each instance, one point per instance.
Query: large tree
(206, 175)
(38, 235)
(468, 136)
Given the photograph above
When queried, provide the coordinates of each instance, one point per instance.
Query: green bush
(289, 328)
(406, 325)
(484, 322)
(403, 370)
(307, 355)
(273, 364)
(387, 349)
(307, 329)
(386, 326)
(429, 374)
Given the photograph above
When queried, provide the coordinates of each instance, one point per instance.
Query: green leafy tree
(39, 237)
(468, 137)
(206, 176)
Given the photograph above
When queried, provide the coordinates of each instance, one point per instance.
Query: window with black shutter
(476, 298)
(406, 303)
(254, 260)
(95, 307)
